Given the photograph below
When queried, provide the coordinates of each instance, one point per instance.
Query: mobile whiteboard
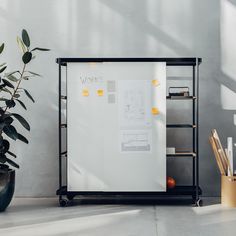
(116, 120)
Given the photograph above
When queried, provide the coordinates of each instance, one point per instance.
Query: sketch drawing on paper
(134, 103)
(134, 109)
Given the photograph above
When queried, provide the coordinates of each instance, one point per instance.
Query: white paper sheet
(134, 103)
(135, 116)
(134, 141)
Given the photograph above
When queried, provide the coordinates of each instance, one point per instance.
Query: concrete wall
(121, 28)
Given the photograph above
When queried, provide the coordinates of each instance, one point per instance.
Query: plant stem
(17, 86)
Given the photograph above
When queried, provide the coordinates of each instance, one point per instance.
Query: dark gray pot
(7, 187)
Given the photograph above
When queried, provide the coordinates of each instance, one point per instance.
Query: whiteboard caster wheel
(63, 202)
(70, 197)
(199, 203)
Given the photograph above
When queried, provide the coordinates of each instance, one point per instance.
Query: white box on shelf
(170, 150)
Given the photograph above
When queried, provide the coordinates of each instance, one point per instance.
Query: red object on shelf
(170, 182)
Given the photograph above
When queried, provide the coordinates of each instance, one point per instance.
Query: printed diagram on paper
(134, 116)
(135, 140)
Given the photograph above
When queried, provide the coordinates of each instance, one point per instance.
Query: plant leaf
(3, 64)
(12, 163)
(1, 113)
(12, 78)
(7, 83)
(12, 73)
(12, 154)
(22, 120)
(8, 120)
(3, 99)
(3, 158)
(2, 124)
(5, 146)
(22, 138)
(28, 95)
(40, 49)
(10, 103)
(1, 48)
(16, 95)
(2, 69)
(11, 132)
(26, 58)
(33, 73)
(7, 114)
(21, 44)
(25, 38)
(6, 90)
(21, 103)
(2, 86)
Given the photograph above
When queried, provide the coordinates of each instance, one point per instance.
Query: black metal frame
(177, 193)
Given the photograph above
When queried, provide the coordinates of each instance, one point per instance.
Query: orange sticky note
(85, 92)
(155, 111)
(100, 92)
(155, 82)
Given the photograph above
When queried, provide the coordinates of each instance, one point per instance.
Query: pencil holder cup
(228, 191)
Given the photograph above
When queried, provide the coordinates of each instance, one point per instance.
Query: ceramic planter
(7, 187)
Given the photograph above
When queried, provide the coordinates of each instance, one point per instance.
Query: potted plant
(11, 91)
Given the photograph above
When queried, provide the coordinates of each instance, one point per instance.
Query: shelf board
(167, 97)
(64, 153)
(181, 61)
(180, 98)
(180, 126)
(183, 190)
(182, 154)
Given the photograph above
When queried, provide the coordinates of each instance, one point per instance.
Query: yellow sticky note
(85, 92)
(155, 111)
(155, 82)
(100, 92)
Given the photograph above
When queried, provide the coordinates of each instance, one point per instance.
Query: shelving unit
(189, 193)
(193, 191)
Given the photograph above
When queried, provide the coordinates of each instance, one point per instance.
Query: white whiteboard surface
(115, 142)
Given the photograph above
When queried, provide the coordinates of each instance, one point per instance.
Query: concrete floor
(43, 217)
